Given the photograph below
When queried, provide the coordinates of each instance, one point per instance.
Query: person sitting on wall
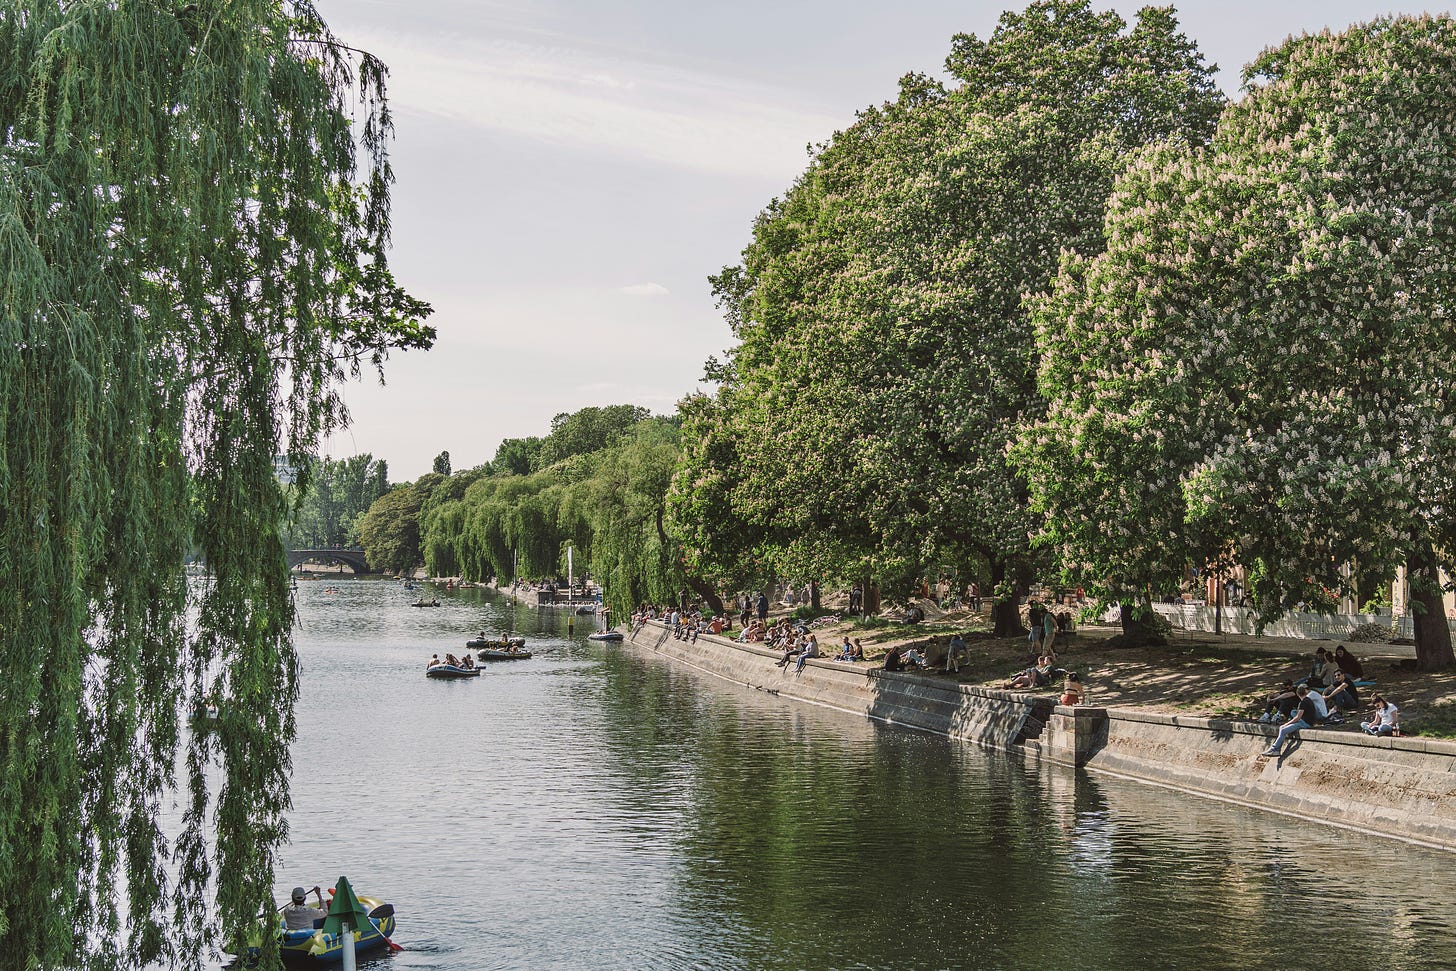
(791, 648)
(1384, 720)
(893, 660)
(1279, 704)
(811, 649)
(1305, 715)
(1072, 691)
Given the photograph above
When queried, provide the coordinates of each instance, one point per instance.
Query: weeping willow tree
(192, 239)
(608, 505)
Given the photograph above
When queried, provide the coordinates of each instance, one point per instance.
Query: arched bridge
(353, 559)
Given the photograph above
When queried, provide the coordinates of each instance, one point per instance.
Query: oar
(381, 912)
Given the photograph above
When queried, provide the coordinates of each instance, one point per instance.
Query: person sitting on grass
(936, 654)
(893, 661)
(1305, 715)
(846, 650)
(1349, 663)
(1038, 676)
(1343, 694)
(1384, 720)
(914, 660)
(1321, 672)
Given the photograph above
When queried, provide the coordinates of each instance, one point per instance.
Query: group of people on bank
(1322, 697)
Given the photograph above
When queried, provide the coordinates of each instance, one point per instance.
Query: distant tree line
(330, 498)
(1068, 315)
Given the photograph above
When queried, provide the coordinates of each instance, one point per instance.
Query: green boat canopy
(346, 907)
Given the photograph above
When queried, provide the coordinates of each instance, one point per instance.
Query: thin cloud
(646, 290)
(616, 103)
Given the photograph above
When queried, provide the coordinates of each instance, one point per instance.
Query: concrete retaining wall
(1399, 787)
(999, 719)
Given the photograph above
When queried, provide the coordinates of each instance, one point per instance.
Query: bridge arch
(353, 559)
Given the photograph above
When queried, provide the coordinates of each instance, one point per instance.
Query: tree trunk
(814, 595)
(1005, 615)
(709, 595)
(1433, 634)
(1137, 631)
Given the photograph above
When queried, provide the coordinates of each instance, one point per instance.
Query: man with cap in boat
(298, 915)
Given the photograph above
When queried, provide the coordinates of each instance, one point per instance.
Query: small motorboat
(425, 603)
(605, 635)
(443, 670)
(511, 652)
(477, 643)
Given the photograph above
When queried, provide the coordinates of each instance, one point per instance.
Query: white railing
(1241, 620)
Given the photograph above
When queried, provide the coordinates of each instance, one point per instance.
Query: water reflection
(593, 808)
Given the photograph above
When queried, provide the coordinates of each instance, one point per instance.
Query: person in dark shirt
(1279, 705)
(1304, 716)
(1343, 694)
(1349, 663)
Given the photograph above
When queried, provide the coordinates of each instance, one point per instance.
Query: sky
(570, 172)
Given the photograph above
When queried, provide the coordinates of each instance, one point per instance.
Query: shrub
(1371, 634)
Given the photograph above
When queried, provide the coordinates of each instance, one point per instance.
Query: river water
(593, 808)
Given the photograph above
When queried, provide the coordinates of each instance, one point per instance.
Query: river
(592, 808)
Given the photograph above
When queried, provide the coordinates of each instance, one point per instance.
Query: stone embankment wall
(1399, 787)
(1000, 719)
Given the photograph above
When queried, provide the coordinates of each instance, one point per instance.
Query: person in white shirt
(1384, 720)
(298, 915)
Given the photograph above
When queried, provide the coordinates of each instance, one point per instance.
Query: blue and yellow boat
(370, 922)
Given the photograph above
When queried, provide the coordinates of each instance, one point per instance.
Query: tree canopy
(885, 361)
(192, 251)
(1259, 368)
(605, 499)
(333, 495)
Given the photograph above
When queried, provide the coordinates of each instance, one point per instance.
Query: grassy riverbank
(1201, 674)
